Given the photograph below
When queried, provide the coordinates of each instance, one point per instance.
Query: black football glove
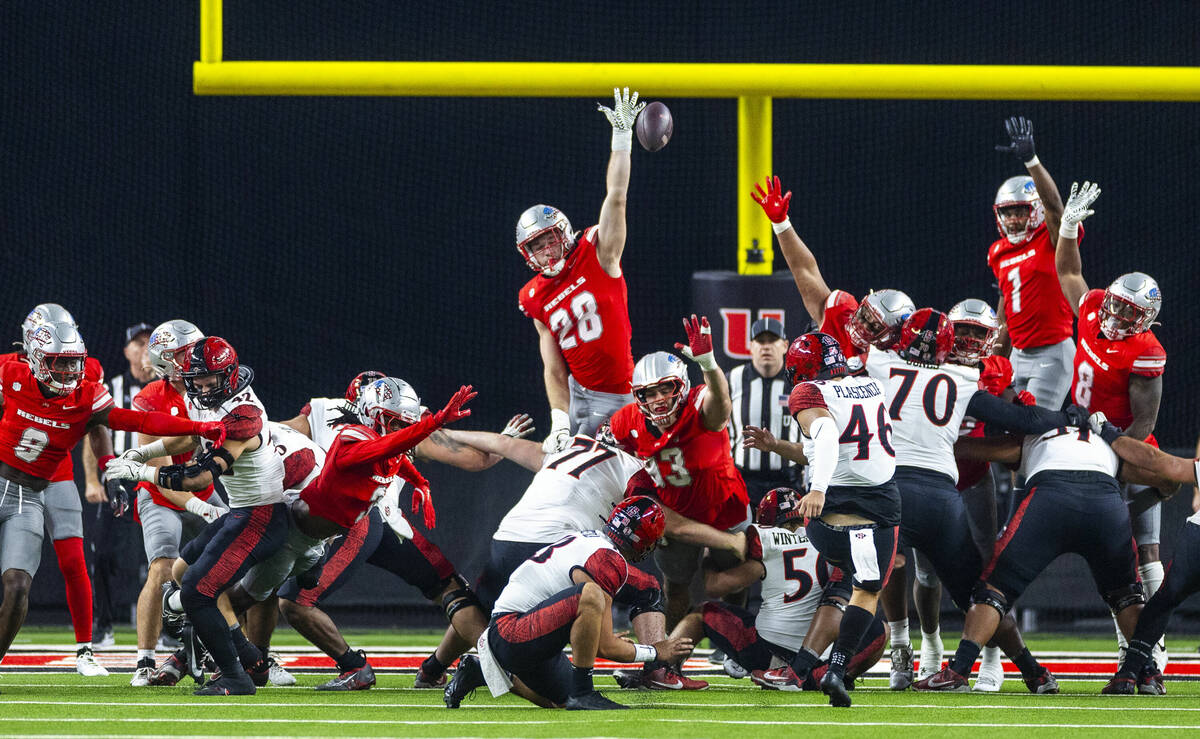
(1020, 134)
(1077, 416)
(118, 497)
(311, 577)
(1110, 433)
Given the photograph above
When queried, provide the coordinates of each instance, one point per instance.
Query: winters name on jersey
(785, 538)
(857, 391)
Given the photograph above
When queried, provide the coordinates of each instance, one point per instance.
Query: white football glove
(519, 426)
(560, 432)
(153, 450)
(1077, 209)
(129, 469)
(205, 510)
(1097, 421)
(622, 115)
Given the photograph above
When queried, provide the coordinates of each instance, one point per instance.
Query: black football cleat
(172, 621)
(360, 679)
(229, 685)
(195, 653)
(1151, 681)
(1043, 684)
(1119, 685)
(833, 686)
(467, 677)
(259, 672)
(946, 681)
(592, 701)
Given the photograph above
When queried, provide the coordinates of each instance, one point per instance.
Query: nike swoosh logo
(936, 683)
(1110, 350)
(1047, 364)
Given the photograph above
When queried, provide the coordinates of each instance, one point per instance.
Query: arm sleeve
(152, 423)
(803, 396)
(243, 422)
(409, 472)
(1020, 419)
(608, 569)
(374, 450)
(825, 437)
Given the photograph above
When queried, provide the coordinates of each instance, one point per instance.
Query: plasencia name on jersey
(856, 392)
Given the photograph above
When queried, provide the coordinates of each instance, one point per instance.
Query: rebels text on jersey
(302, 458)
(860, 413)
(926, 407)
(38, 432)
(695, 476)
(550, 570)
(343, 493)
(1068, 449)
(840, 307)
(792, 583)
(588, 312)
(256, 477)
(574, 490)
(160, 396)
(1103, 366)
(1035, 310)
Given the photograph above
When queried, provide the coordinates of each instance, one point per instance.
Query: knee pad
(987, 597)
(647, 601)
(459, 598)
(925, 576)
(1121, 598)
(833, 600)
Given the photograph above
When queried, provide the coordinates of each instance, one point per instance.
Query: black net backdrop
(323, 236)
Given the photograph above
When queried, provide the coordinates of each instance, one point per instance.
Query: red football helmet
(779, 506)
(926, 338)
(636, 524)
(814, 356)
(205, 358)
(361, 380)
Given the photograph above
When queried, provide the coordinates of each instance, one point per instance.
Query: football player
(578, 301)
(682, 429)
(797, 586)
(49, 404)
(1035, 318)
(563, 594)
(1118, 366)
(857, 326)
(63, 511)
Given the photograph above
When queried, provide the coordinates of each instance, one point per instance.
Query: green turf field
(64, 704)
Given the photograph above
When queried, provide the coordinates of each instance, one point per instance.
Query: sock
(432, 667)
(933, 638)
(855, 622)
(81, 647)
(79, 586)
(990, 658)
(653, 665)
(351, 661)
(145, 654)
(247, 653)
(804, 661)
(265, 649)
(1025, 662)
(581, 681)
(210, 626)
(964, 658)
(1121, 643)
(1152, 577)
(899, 631)
(1136, 659)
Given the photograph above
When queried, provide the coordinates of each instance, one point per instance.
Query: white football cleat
(141, 677)
(278, 676)
(991, 672)
(86, 664)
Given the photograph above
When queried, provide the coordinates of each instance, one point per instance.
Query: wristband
(644, 653)
(707, 362)
(1033, 162)
(559, 419)
(197, 506)
(1068, 230)
(622, 139)
(782, 226)
(103, 462)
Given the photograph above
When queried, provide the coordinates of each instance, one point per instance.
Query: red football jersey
(589, 313)
(162, 397)
(36, 432)
(839, 308)
(342, 494)
(1035, 310)
(697, 477)
(995, 376)
(1103, 367)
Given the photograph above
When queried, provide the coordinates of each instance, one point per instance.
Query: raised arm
(799, 257)
(1066, 255)
(1020, 135)
(554, 373)
(369, 452)
(717, 404)
(610, 241)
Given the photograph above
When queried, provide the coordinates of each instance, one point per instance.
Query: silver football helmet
(385, 401)
(536, 222)
(661, 368)
(980, 327)
(165, 339)
(1131, 303)
(43, 313)
(56, 355)
(1019, 191)
(879, 318)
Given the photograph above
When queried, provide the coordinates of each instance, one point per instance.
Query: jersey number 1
(586, 324)
(1014, 276)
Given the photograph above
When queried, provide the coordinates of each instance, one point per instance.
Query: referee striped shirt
(123, 388)
(761, 401)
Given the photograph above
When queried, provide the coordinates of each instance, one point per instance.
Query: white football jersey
(927, 407)
(302, 458)
(256, 477)
(1195, 517)
(322, 411)
(859, 409)
(548, 572)
(575, 490)
(1070, 449)
(791, 588)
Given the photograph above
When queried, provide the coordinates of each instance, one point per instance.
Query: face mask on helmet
(635, 525)
(878, 319)
(165, 340)
(545, 239)
(660, 387)
(388, 405)
(779, 506)
(814, 356)
(975, 331)
(209, 369)
(1018, 209)
(1130, 305)
(57, 357)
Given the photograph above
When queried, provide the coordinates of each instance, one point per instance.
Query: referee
(760, 391)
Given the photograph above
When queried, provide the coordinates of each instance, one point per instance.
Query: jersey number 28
(586, 321)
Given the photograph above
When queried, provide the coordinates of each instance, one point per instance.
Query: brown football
(654, 126)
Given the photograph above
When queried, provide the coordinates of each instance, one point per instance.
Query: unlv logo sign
(735, 329)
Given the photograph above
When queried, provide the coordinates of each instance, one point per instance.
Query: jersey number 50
(586, 321)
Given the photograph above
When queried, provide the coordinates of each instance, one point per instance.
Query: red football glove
(214, 431)
(699, 344)
(454, 408)
(422, 497)
(774, 203)
(1025, 398)
(995, 374)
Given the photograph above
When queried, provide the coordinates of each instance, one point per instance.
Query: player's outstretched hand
(699, 348)
(774, 203)
(1020, 137)
(423, 500)
(1025, 398)
(812, 504)
(214, 431)
(756, 437)
(624, 111)
(519, 426)
(128, 469)
(454, 410)
(673, 648)
(1077, 207)
(1107, 430)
